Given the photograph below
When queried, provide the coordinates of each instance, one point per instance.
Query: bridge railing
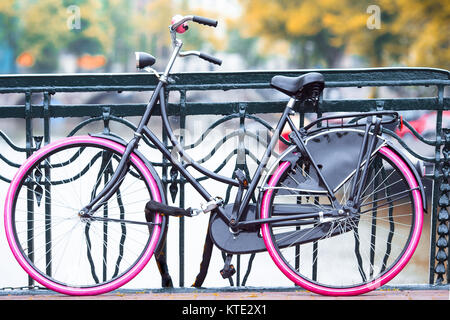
(42, 102)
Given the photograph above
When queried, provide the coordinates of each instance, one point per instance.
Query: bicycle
(340, 185)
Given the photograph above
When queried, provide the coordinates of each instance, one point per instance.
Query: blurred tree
(423, 30)
(8, 29)
(89, 29)
(247, 48)
(152, 29)
(95, 34)
(50, 27)
(154, 22)
(122, 25)
(350, 24)
(300, 22)
(44, 28)
(410, 32)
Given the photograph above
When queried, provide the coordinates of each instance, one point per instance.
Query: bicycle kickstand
(228, 269)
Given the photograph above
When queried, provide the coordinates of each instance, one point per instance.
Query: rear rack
(335, 122)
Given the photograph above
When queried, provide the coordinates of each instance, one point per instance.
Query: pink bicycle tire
(23, 261)
(357, 290)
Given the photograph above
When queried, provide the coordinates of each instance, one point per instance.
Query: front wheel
(69, 253)
(347, 255)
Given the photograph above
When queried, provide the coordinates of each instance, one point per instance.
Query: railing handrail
(186, 81)
(363, 77)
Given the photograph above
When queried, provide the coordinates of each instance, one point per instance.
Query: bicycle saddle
(293, 86)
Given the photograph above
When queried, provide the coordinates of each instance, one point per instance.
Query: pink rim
(409, 176)
(9, 228)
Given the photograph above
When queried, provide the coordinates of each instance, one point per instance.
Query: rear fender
(414, 170)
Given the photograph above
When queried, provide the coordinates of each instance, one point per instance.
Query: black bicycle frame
(181, 166)
(186, 161)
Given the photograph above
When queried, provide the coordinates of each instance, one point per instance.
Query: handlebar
(210, 58)
(179, 25)
(205, 21)
(180, 20)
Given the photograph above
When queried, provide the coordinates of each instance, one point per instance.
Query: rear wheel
(69, 253)
(346, 255)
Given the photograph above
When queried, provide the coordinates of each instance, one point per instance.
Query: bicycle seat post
(243, 183)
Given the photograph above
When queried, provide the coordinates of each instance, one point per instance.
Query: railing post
(182, 198)
(441, 200)
(30, 197)
(442, 257)
(241, 164)
(47, 190)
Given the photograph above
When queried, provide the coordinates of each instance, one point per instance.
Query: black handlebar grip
(210, 58)
(205, 21)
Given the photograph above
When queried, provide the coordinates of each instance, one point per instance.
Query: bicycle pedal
(209, 206)
(228, 272)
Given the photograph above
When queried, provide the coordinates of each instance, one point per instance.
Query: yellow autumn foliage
(7, 7)
(411, 32)
(99, 28)
(318, 32)
(43, 20)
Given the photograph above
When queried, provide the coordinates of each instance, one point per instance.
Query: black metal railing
(422, 90)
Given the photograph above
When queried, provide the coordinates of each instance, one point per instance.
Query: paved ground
(247, 294)
(229, 303)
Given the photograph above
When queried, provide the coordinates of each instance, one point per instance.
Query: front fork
(112, 186)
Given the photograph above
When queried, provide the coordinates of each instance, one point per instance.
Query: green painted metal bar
(182, 183)
(439, 228)
(202, 108)
(219, 80)
(30, 196)
(47, 189)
